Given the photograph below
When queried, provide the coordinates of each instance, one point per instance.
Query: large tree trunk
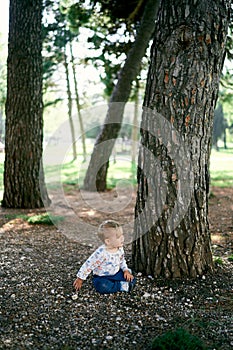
(172, 237)
(96, 176)
(23, 174)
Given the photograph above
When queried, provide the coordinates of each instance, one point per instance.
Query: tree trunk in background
(96, 175)
(82, 131)
(134, 135)
(23, 173)
(172, 237)
(69, 102)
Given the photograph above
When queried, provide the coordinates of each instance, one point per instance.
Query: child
(110, 271)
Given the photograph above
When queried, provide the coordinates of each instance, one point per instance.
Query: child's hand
(78, 283)
(128, 276)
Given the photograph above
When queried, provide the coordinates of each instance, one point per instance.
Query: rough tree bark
(23, 173)
(172, 237)
(96, 175)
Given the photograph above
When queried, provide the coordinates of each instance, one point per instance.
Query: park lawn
(221, 170)
(72, 173)
(221, 167)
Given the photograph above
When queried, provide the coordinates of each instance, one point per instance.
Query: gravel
(40, 310)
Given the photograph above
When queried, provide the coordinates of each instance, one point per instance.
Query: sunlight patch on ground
(217, 238)
(15, 225)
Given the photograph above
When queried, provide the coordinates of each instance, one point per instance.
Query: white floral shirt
(103, 263)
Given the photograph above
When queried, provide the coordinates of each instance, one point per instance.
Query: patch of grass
(221, 170)
(179, 339)
(122, 170)
(40, 219)
(16, 216)
(221, 167)
(73, 172)
(230, 258)
(44, 219)
(218, 261)
(222, 178)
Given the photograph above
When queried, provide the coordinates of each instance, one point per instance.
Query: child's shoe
(124, 286)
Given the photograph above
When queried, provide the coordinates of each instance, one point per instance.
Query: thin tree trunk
(172, 237)
(69, 97)
(82, 131)
(23, 172)
(134, 136)
(96, 175)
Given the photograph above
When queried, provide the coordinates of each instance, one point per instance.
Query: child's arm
(128, 276)
(94, 260)
(78, 283)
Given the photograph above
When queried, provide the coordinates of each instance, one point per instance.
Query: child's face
(115, 237)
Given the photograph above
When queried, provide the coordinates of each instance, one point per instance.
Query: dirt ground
(221, 221)
(39, 263)
(90, 209)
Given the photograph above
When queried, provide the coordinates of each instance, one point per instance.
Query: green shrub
(40, 219)
(44, 219)
(179, 339)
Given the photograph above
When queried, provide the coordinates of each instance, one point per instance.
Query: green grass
(40, 219)
(221, 167)
(221, 170)
(179, 339)
(218, 261)
(72, 173)
(123, 169)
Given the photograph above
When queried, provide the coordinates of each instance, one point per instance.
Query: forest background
(94, 87)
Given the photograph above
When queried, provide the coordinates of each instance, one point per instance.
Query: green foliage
(218, 261)
(44, 219)
(77, 15)
(112, 28)
(16, 216)
(40, 219)
(230, 258)
(179, 339)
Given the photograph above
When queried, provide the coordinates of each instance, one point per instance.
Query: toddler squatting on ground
(110, 271)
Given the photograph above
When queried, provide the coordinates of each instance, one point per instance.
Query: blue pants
(110, 284)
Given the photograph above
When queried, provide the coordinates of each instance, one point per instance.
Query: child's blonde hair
(102, 234)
